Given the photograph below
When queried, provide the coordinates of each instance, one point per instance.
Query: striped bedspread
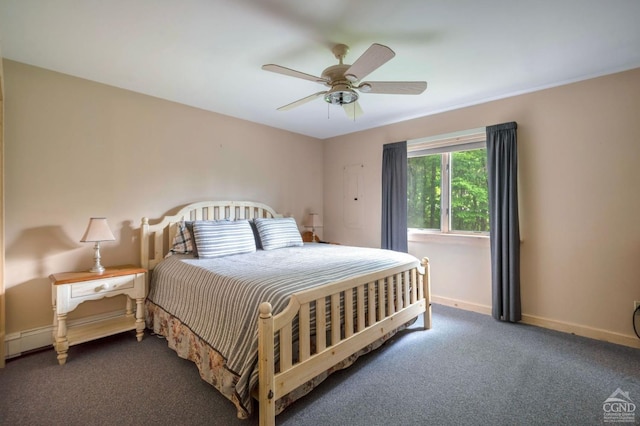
(218, 298)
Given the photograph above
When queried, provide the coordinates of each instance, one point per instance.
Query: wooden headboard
(156, 239)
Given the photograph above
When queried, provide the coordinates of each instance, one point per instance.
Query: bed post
(427, 292)
(144, 243)
(144, 251)
(266, 360)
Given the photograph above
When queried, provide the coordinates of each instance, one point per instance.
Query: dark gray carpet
(469, 369)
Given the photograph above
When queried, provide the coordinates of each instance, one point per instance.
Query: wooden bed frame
(382, 302)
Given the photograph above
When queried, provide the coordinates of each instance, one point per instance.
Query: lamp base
(97, 267)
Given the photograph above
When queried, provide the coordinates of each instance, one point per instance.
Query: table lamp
(313, 221)
(97, 231)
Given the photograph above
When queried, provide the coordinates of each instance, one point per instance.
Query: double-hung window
(447, 190)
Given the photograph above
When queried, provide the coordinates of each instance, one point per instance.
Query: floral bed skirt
(211, 364)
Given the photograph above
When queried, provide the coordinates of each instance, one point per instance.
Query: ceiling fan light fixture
(341, 95)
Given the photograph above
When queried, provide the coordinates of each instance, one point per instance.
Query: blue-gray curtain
(394, 197)
(502, 168)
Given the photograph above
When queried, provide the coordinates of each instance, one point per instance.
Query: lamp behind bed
(313, 221)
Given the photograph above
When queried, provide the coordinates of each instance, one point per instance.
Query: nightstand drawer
(103, 286)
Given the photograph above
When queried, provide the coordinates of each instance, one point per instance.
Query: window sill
(416, 236)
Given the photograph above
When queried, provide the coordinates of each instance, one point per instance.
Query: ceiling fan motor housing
(341, 92)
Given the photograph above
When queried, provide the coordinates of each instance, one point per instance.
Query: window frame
(445, 145)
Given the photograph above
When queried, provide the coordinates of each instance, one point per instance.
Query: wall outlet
(636, 304)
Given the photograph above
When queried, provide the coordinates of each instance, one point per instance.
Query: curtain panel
(394, 197)
(502, 168)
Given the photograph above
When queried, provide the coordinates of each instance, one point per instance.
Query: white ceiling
(209, 53)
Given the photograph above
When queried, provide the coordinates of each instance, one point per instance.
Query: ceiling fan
(343, 79)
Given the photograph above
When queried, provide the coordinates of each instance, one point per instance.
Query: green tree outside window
(468, 197)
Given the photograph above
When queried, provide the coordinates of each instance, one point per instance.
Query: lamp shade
(97, 230)
(313, 221)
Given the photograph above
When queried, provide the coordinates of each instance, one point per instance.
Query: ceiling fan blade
(393, 87)
(301, 101)
(353, 110)
(293, 73)
(375, 56)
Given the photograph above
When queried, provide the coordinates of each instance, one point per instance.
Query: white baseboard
(24, 341)
(565, 327)
(37, 338)
(581, 330)
(467, 306)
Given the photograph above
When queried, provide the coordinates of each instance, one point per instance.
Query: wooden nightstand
(307, 237)
(69, 289)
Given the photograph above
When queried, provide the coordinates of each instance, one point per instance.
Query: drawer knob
(105, 286)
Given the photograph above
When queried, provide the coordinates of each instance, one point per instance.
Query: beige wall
(579, 150)
(76, 149)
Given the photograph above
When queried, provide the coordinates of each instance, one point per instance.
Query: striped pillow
(223, 238)
(277, 233)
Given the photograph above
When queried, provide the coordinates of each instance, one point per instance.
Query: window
(447, 188)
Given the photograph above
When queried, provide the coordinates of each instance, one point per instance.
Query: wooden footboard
(333, 322)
